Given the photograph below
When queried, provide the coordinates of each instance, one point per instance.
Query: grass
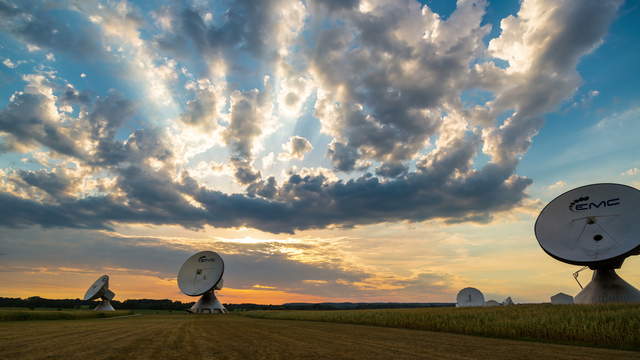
(230, 337)
(25, 315)
(612, 326)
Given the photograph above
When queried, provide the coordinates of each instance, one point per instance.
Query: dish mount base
(105, 305)
(607, 287)
(208, 304)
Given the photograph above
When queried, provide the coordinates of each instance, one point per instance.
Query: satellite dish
(469, 297)
(200, 276)
(508, 301)
(100, 290)
(596, 226)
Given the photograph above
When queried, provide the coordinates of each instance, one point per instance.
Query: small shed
(561, 298)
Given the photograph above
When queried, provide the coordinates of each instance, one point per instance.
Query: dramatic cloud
(383, 89)
(295, 148)
(269, 265)
(35, 23)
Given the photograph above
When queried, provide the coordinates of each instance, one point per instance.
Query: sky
(328, 150)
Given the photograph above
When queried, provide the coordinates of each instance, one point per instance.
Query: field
(613, 326)
(237, 337)
(24, 315)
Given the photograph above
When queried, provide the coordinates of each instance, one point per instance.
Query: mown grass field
(197, 337)
(26, 315)
(611, 326)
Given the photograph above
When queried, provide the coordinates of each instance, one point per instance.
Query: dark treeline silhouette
(135, 304)
(166, 304)
(359, 306)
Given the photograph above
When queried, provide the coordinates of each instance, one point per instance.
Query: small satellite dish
(508, 301)
(200, 276)
(596, 226)
(469, 297)
(100, 290)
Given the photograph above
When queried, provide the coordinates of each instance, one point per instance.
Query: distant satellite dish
(200, 276)
(100, 290)
(597, 226)
(507, 301)
(469, 297)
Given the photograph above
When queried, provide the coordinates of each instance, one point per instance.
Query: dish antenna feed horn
(100, 290)
(596, 226)
(201, 275)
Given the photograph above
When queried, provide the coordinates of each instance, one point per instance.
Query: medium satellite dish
(596, 226)
(469, 297)
(200, 276)
(100, 290)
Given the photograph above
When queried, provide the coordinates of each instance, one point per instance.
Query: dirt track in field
(234, 337)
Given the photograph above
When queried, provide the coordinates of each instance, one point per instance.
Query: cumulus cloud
(32, 119)
(247, 118)
(202, 111)
(631, 172)
(558, 185)
(10, 64)
(380, 84)
(295, 148)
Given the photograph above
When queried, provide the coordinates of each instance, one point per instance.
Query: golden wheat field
(151, 336)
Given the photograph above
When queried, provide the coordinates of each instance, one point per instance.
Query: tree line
(166, 304)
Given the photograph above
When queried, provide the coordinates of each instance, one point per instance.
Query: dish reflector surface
(200, 273)
(97, 289)
(591, 224)
(469, 297)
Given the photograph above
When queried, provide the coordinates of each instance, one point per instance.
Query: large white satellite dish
(469, 297)
(100, 290)
(200, 276)
(596, 226)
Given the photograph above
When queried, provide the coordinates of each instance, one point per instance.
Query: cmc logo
(581, 204)
(204, 259)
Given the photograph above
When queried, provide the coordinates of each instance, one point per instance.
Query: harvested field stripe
(231, 337)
